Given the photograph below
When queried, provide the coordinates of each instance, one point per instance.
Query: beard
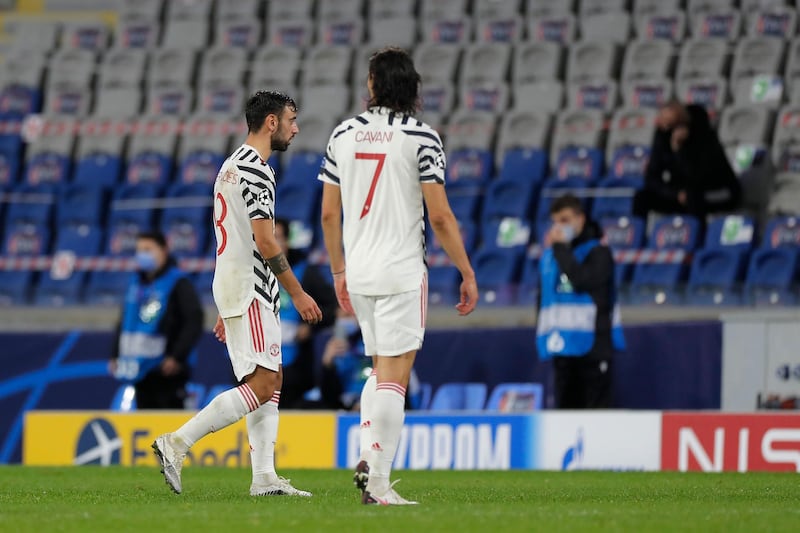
(279, 145)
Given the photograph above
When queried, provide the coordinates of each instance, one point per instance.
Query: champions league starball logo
(98, 444)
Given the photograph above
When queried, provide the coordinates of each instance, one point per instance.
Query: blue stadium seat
(213, 392)
(98, 169)
(781, 232)
(629, 162)
(24, 240)
(48, 168)
(81, 205)
(149, 168)
(9, 167)
(469, 167)
(505, 233)
(579, 162)
(141, 216)
(202, 282)
(524, 164)
(620, 204)
(772, 277)
(623, 233)
(459, 397)
(17, 100)
(528, 291)
(465, 202)
(443, 282)
(187, 228)
(717, 270)
(65, 286)
(34, 206)
(107, 288)
(299, 202)
(200, 167)
(660, 282)
(508, 198)
(516, 397)
(303, 168)
(497, 273)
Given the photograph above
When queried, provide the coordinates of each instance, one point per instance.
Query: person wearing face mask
(688, 171)
(578, 322)
(297, 336)
(162, 320)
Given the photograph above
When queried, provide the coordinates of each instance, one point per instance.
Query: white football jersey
(244, 191)
(379, 159)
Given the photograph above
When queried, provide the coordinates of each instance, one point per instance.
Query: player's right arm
(445, 227)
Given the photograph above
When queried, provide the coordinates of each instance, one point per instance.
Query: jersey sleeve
(431, 159)
(258, 191)
(328, 171)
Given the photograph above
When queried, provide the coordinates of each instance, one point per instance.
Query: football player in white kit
(378, 170)
(249, 266)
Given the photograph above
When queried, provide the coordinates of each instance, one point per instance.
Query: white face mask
(568, 231)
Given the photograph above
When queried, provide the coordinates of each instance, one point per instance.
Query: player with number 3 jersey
(381, 169)
(250, 264)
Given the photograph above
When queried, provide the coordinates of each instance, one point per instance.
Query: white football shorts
(253, 339)
(394, 324)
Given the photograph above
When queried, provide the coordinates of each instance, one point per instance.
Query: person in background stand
(162, 320)
(578, 324)
(298, 336)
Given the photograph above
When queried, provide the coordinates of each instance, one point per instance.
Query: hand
(219, 329)
(469, 296)
(170, 366)
(679, 136)
(340, 286)
(112, 367)
(307, 307)
(682, 197)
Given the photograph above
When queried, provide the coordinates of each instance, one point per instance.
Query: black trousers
(582, 383)
(156, 391)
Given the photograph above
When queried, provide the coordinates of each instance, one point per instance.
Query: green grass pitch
(121, 499)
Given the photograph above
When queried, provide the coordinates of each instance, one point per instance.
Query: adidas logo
(377, 447)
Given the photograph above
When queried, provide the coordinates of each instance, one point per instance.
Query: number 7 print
(380, 158)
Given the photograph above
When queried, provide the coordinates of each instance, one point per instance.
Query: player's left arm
(595, 271)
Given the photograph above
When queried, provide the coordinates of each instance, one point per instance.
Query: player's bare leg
(227, 408)
(262, 432)
(388, 415)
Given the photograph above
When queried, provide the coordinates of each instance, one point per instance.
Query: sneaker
(389, 498)
(279, 487)
(361, 477)
(171, 461)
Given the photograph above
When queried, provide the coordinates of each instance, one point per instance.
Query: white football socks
(262, 432)
(223, 411)
(388, 415)
(367, 399)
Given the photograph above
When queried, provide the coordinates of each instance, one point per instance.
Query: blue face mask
(568, 231)
(146, 262)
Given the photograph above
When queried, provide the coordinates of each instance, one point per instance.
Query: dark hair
(155, 236)
(395, 81)
(264, 103)
(567, 201)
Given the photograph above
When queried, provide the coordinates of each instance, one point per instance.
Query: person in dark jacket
(162, 320)
(578, 324)
(297, 335)
(688, 171)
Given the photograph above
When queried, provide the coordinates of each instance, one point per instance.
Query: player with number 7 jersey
(381, 170)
